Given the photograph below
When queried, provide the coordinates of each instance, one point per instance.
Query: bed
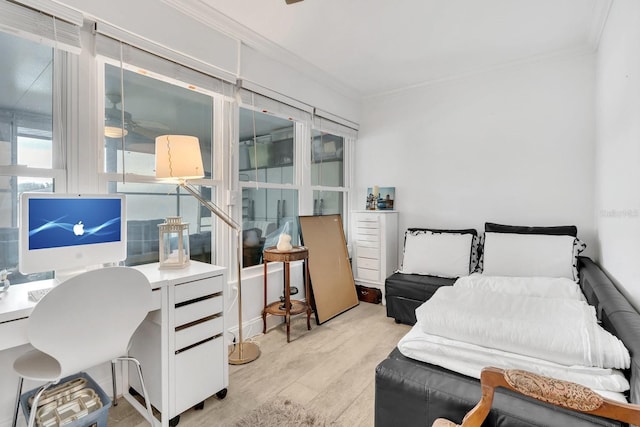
(413, 392)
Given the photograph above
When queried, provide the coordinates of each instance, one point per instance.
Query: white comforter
(470, 359)
(537, 317)
(544, 332)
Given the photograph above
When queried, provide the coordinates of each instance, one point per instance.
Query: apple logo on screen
(78, 229)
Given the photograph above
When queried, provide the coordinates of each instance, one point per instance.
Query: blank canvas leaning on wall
(332, 284)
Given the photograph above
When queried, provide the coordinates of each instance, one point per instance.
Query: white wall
(512, 146)
(618, 146)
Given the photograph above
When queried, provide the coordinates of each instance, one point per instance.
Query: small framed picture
(380, 198)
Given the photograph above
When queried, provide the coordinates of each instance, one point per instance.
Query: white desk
(197, 290)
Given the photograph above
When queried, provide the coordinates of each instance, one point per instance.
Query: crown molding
(558, 55)
(213, 18)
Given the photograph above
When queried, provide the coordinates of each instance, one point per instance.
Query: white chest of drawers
(374, 236)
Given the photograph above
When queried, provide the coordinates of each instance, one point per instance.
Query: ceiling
(375, 47)
(366, 47)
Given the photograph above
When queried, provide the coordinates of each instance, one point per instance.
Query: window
(290, 163)
(27, 150)
(26, 118)
(34, 87)
(267, 166)
(332, 141)
(327, 173)
(148, 205)
(153, 105)
(266, 152)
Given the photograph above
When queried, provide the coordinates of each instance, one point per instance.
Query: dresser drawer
(368, 244)
(366, 219)
(198, 310)
(368, 237)
(156, 299)
(198, 332)
(198, 288)
(368, 274)
(367, 252)
(374, 235)
(367, 227)
(368, 263)
(359, 229)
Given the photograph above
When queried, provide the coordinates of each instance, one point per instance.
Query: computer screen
(63, 232)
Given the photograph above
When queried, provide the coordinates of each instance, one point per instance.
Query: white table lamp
(178, 159)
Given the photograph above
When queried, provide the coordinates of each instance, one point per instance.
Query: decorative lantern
(174, 243)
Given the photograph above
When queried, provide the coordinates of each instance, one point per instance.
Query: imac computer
(70, 233)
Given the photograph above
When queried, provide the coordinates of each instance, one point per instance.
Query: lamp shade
(178, 156)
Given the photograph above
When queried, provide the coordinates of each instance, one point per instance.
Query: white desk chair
(87, 320)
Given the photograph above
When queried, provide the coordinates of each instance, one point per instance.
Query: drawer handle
(192, 301)
(196, 322)
(212, 278)
(189, 347)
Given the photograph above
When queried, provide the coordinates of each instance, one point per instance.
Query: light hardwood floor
(329, 369)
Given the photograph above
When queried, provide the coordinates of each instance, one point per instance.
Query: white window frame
(218, 183)
(302, 158)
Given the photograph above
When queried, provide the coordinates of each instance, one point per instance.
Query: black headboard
(616, 314)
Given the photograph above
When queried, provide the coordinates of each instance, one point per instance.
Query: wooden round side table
(289, 307)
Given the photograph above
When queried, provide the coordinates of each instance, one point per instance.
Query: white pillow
(528, 255)
(437, 254)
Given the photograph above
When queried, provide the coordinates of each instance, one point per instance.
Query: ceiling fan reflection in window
(136, 131)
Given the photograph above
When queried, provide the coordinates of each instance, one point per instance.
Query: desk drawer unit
(196, 353)
(374, 236)
(198, 341)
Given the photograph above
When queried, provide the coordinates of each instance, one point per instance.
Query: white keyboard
(37, 294)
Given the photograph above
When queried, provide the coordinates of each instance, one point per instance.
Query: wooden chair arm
(556, 392)
(550, 390)
(441, 422)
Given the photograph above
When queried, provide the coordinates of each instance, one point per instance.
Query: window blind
(269, 105)
(111, 43)
(57, 27)
(327, 122)
(55, 9)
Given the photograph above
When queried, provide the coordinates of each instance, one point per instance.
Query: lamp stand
(243, 352)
